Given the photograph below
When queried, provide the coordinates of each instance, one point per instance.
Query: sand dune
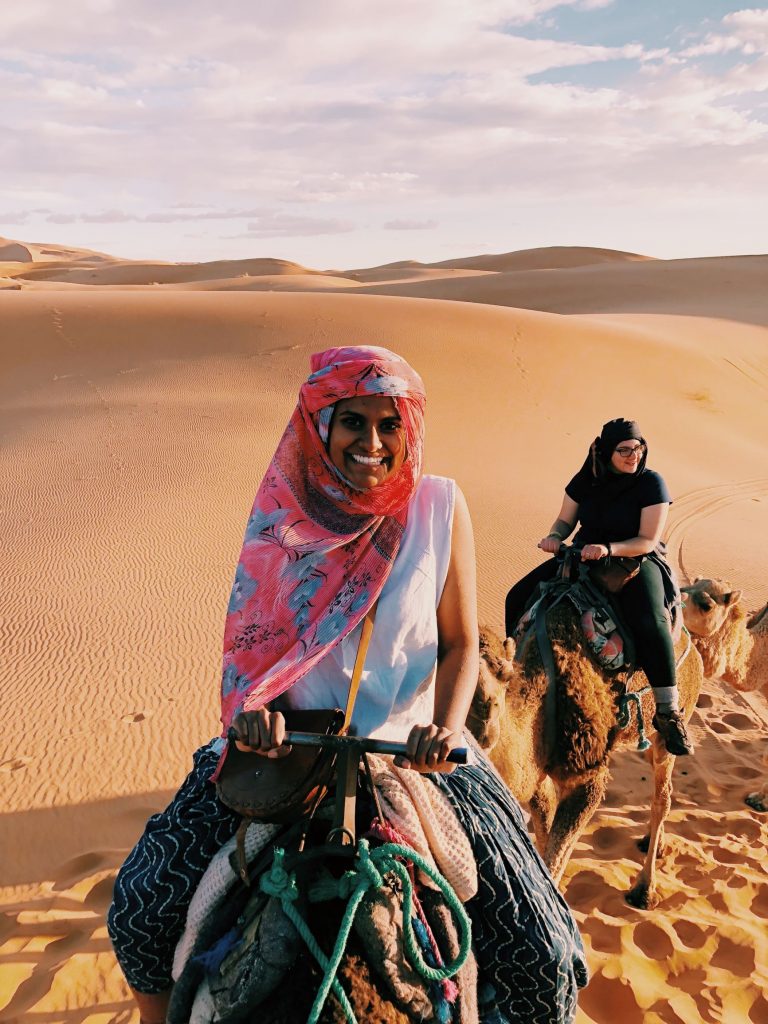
(395, 273)
(137, 273)
(725, 287)
(41, 252)
(137, 421)
(558, 279)
(545, 258)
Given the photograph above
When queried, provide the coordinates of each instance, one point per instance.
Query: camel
(563, 792)
(733, 644)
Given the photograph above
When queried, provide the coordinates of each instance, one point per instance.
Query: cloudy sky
(343, 133)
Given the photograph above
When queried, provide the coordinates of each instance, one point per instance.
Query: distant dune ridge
(141, 402)
(554, 279)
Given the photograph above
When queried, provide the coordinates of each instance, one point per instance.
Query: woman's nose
(371, 439)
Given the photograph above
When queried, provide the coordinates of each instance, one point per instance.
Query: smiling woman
(367, 440)
(344, 521)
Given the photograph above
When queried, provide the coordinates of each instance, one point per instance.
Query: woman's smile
(368, 460)
(626, 458)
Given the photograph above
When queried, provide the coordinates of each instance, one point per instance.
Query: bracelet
(608, 545)
(557, 536)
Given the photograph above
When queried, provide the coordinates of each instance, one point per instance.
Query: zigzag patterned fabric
(155, 885)
(526, 942)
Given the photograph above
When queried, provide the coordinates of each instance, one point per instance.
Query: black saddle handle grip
(364, 744)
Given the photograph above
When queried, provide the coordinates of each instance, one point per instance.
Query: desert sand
(141, 402)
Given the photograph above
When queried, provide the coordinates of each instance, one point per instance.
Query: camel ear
(509, 649)
(732, 598)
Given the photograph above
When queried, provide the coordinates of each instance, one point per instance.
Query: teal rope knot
(367, 867)
(623, 716)
(330, 888)
(277, 882)
(368, 873)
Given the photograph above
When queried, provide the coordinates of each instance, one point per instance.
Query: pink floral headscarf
(317, 550)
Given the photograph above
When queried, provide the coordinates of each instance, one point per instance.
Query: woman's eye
(390, 426)
(351, 422)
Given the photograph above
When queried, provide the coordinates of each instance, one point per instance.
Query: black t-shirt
(612, 513)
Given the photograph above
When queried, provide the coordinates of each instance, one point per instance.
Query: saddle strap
(548, 661)
(357, 671)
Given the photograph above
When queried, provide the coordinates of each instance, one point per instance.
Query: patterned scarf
(317, 550)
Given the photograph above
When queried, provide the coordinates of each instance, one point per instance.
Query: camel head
(496, 669)
(723, 633)
(707, 605)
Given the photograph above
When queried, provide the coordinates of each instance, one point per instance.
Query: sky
(351, 133)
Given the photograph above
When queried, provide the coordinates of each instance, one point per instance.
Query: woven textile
(214, 886)
(527, 944)
(425, 816)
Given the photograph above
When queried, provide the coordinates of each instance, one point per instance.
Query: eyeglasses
(627, 453)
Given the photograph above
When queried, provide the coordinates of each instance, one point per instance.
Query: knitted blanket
(218, 879)
(423, 814)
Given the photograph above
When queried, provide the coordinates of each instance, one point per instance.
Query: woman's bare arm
(562, 526)
(457, 654)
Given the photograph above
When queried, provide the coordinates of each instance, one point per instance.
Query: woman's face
(627, 455)
(367, 440)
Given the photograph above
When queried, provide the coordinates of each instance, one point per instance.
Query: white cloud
(130, 116)
(410, 225)
(745, 30)
(287, 225)
(17, 217)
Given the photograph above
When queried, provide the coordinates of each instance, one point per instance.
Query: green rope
(367, 873)
(623, 715)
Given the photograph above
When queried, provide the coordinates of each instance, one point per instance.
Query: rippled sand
(137, 420)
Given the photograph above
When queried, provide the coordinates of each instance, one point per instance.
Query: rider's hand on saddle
(591, 552)
(261, 732)
(550, 544)
(428, 748)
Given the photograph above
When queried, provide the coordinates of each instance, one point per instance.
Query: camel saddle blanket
(423, 814)
(607, 637)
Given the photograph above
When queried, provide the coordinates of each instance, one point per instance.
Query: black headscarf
(597, 465)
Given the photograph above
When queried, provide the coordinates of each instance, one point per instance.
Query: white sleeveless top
(397, 689)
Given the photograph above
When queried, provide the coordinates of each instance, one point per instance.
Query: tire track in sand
(696, 505)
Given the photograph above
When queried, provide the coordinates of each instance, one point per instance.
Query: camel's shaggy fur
(733, 644)
(757, 674)
(366, 992)
(562, 793)
(294, 999)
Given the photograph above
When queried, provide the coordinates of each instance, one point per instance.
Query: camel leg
(661, 843)
(643, 893)
(574, 812)
(542, 807)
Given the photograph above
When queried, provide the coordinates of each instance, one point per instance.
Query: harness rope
(623, 715)
(368, 872)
